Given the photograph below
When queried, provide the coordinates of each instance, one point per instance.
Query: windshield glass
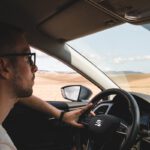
(122, 53)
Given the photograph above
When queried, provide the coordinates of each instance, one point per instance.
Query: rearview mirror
(76, 93)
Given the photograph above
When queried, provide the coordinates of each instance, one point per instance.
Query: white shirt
(5, 141)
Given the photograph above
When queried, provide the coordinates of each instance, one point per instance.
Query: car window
(52, 75)
(122, 53)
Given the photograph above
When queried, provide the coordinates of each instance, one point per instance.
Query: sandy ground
(137, 82)
(48, 85)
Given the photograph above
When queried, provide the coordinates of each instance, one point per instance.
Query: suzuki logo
(98, 123)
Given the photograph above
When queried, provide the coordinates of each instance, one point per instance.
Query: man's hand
(72, 117)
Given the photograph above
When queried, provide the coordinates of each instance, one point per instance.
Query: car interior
(49, 25)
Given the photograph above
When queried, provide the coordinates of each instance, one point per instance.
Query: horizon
(113, 72)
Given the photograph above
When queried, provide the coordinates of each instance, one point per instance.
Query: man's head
(16, 67)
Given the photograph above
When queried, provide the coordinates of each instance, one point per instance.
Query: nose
(34, 68)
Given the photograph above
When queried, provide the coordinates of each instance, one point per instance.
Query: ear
(5, 68)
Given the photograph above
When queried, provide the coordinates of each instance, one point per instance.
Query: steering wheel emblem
(98, 123)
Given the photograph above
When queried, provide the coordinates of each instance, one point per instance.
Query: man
(17, 71)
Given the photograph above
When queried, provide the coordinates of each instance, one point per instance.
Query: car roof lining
(56, 21)
(61, 20)
(66, 19)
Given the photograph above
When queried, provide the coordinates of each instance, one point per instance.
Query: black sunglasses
(31, 57)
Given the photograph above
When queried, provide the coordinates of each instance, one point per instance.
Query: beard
(18, 89)
(23, 92)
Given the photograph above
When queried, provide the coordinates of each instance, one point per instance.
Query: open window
(52, 75)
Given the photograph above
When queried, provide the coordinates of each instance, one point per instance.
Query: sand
(48, 84)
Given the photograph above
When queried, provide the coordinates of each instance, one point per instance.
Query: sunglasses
(30, 56)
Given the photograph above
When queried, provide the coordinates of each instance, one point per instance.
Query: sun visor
(79, 19)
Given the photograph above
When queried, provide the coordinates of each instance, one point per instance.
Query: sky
(122, 48)
(48, 63)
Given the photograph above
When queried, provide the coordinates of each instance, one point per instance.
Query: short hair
(8, 37)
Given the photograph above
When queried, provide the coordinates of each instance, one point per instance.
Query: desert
(48, 84)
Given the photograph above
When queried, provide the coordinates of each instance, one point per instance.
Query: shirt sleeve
(5, 147)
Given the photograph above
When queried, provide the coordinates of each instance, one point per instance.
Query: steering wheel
(103, 126)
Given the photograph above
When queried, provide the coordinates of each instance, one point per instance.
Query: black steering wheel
(103, 126)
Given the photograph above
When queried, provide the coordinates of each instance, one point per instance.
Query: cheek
(27, 74)
(24, 73)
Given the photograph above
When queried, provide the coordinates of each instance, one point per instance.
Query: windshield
(122, 52)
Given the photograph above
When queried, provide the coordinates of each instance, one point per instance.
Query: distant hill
(68, 72)
(107, 72)
(123, 72)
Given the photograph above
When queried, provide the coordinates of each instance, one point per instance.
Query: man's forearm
(39, 104)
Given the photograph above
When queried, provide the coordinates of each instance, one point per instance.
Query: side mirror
(76, 92)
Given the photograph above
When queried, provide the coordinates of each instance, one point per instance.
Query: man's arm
(37, 103)
(69, 117)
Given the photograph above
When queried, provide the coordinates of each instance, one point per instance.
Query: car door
(34, 130)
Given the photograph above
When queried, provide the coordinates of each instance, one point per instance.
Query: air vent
(101, 110)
